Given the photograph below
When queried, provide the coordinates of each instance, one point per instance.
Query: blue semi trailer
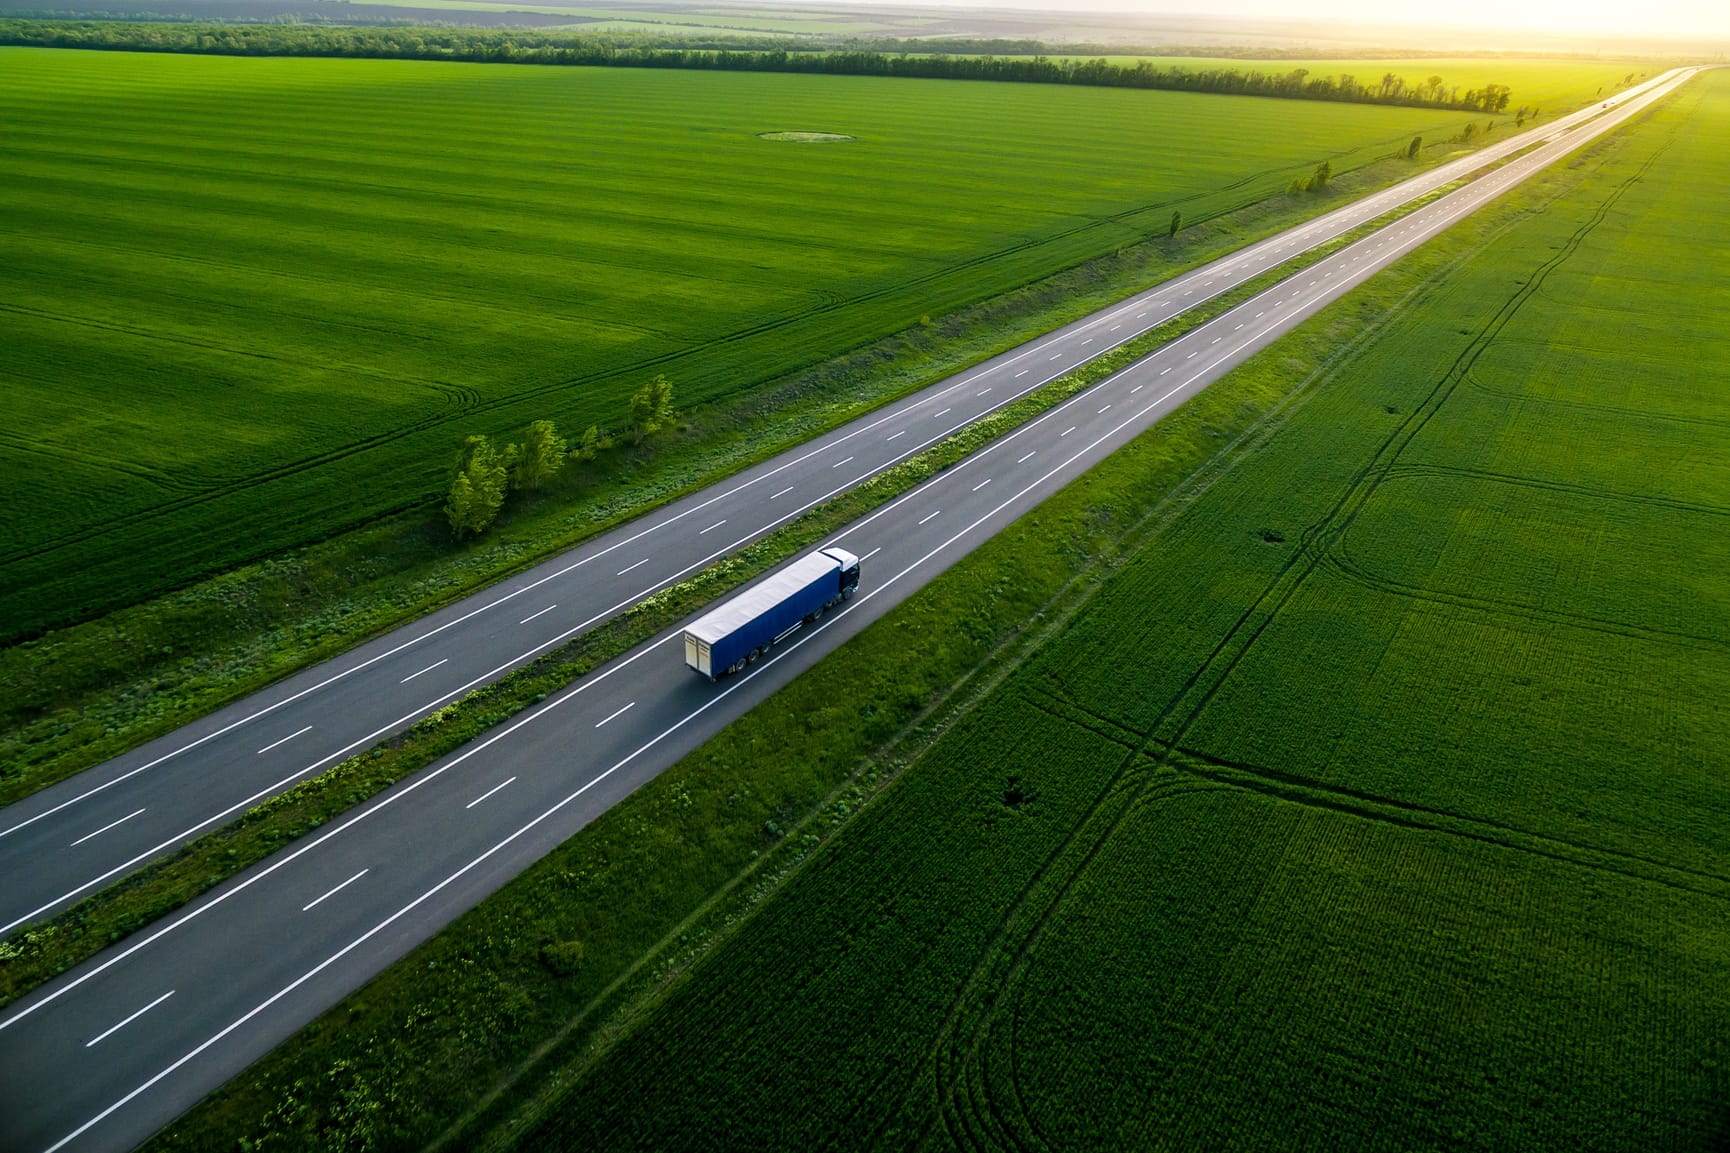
(729, 637)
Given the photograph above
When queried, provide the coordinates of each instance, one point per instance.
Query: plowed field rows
(1383, 802)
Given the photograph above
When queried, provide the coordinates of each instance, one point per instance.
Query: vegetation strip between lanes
(39, 953)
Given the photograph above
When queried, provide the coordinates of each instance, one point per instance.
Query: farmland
(1379, 802)
(253, 302)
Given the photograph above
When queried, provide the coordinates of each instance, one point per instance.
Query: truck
(745, 628)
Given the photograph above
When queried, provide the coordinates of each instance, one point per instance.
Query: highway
(70, 839)
(110, 1052)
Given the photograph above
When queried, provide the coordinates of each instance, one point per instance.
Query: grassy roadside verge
(49, 948)
(521, 990)
(80, 695)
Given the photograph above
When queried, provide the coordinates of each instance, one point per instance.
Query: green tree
(478, 488)
(1324, 173)
(541, 457)
(651, 407)
(1414, 147)
(590, 444)
(1176, 223)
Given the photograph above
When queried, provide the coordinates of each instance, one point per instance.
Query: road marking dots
(481, 798)
(711, 528)
(524, 621)
(924, 519)
(1022, 373)
(1115, 327)
(333, 892)
(1163, 371)
(1089, 340)
(1059, 356)
(1103, 411)
(1137, 389)
(1193, 355)
(1067, 431)
(308, 728)
(871, 554)
(981, 484)
(848, 460)
(613, 716)
(1217, 339)
(111, 1030)
(789, 488)
(982, 391)
(638, 565)
(1028, 457)
(104, 829)
(903, 432)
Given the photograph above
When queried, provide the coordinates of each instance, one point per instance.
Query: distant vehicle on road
(726, 639)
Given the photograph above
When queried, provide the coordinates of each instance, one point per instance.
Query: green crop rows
(251, 302)
(1380, 803)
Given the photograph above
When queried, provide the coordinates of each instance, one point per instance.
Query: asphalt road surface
(110, 1052)
(68, 840)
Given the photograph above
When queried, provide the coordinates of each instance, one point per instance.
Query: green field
(1380, 803)
(253, 301)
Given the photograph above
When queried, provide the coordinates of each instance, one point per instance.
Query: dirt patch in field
(806, 137)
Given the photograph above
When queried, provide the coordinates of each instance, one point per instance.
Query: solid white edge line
(284, 740)
(113, 1029)
(104, 828)
(338, 889)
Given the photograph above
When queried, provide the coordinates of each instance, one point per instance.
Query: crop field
(252, 301)
(1381, 802)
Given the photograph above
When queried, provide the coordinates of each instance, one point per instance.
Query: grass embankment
(85, 693)
(1380, 802)
(53, 946)
(519, 992)
(253, 302)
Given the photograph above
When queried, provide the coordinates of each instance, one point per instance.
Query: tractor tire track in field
(1312, 793)
(1318, 539)
(470, 405)
(1619, 410)
(1595, 492)
(910, 1122)
(127, 468)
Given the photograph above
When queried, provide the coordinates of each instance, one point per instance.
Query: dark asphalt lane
(72, 838)
(107, 1054)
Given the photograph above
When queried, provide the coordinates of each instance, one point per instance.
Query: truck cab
(849, 570)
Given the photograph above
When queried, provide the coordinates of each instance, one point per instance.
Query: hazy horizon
(1651, 20)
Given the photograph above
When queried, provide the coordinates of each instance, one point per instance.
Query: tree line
(519, 46)
(487, 473)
